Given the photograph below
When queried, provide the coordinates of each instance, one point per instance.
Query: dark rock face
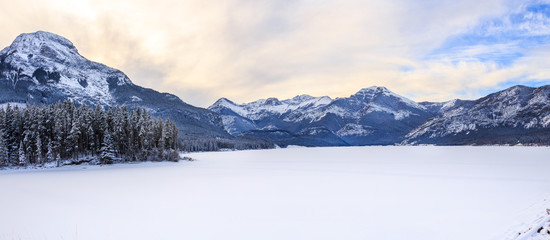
(43, 68)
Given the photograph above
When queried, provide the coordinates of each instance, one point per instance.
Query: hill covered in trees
(50, 134)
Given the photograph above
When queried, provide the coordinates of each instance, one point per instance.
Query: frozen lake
(297, 193)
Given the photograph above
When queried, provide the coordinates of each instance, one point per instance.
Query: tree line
(53, 133)
(217, 144)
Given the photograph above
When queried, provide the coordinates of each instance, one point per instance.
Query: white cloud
(244, 50)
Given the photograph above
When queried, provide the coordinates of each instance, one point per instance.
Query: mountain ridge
(377, 116)
(355, 120)
(517, 112)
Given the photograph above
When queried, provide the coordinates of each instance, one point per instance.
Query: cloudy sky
(244, 50)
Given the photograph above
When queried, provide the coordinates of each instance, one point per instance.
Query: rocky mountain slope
(516, 115)
(43, 68)
(377, 116)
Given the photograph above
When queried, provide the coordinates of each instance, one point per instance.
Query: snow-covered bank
(297, 193)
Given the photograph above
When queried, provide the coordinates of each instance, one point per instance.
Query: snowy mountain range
(377, 116)
(43, 68)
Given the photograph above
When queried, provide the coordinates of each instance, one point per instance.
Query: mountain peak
(372, 92)
(383, 96)
(45, 37)
(50, 62)
(270, 101)
(374, 89)
(518, 88)
(302, 97)
(223, 101)
(514, 91)
(42, 47)
(42, 43)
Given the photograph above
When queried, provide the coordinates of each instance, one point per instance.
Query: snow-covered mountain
(43, 68)
(277, 121)
(516, 115)
(238, 118)
(373, 115)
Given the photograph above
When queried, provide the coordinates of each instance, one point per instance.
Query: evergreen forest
(62, 132)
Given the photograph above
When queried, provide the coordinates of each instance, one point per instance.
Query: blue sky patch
(500, 40)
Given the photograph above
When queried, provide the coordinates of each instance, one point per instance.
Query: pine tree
(163, 135)
(72, 139)
(107, 149)
(142, 132)
(50, 157)
(12, 134)
(22, 157)
(91, 139)
(135, 140)
(29, 145)
(98, 125)
(120, 130)
(3, 149)
(172, 135)
(58, 130)
(109, 119)
(38, 149)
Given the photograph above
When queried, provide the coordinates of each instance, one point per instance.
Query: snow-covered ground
(297, 193)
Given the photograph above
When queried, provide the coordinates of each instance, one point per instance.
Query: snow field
(295, 193)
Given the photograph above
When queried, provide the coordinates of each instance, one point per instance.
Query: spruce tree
(50, 157)
(91, 139)
(38, 149)
(107, 149)
(3, 149)
(22, 157)
(72, 139)
(12, 138)
(58, 160)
